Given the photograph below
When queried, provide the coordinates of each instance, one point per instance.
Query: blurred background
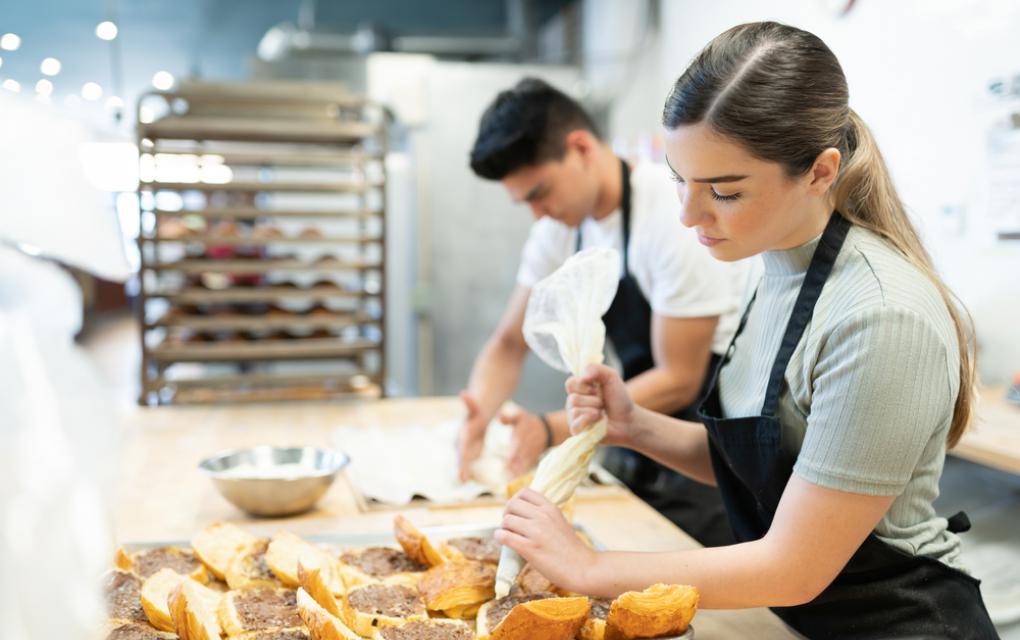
(226, 201)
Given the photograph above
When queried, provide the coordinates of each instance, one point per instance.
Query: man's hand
(472, 436)
(528, 441)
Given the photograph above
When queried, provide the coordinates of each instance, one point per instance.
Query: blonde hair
(781, 93)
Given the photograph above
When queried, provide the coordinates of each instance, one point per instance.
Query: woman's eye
(727, 198)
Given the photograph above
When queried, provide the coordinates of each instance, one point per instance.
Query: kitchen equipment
(274, 481)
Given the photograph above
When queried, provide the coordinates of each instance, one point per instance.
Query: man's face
(566, 190)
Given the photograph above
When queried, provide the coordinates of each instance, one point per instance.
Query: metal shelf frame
(282, 140)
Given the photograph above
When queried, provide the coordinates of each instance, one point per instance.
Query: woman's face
(741, 205)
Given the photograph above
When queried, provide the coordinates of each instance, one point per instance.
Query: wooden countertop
(163, 497)
(994, 440)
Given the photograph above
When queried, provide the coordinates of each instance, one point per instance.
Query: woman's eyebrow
(712, 180)
(715, 179)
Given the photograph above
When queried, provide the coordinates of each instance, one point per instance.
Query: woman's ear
(824, 171)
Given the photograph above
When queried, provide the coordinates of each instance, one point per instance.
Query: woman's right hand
(600, 391)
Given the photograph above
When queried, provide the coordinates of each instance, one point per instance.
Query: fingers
(464, 465)
(468, 449)
(578, 385)
(581, 419)
(469, 403)
(531, 497)
(594, 377)
(517, 524)
(520, 508)
(515, 541)
(577, 401)
(585, 404)
(509, 419)
(517, 462)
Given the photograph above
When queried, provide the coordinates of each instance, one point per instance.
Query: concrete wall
(474, 233)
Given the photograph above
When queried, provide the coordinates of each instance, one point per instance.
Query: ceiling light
(106, 30)
(163, 80)
(10, 41)
(91, 91)
(50, 66)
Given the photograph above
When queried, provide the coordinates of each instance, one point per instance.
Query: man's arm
(494, 377)
(681, 348)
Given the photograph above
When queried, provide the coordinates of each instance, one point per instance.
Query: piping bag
(563, 326)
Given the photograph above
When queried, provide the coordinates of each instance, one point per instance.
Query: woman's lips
(708, 241)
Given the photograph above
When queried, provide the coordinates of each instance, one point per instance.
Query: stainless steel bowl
(274, 481)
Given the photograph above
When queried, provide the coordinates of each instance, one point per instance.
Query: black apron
(694, 507)
(882, 592)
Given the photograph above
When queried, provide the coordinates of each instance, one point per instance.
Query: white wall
(918, 72)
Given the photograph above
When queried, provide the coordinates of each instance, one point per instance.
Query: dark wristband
(548, 430)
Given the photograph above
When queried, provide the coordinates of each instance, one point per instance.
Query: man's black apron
(694, 507)
(882, 592)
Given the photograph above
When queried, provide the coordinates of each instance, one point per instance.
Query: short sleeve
(682, 279)
(547, 247)
(882, 387)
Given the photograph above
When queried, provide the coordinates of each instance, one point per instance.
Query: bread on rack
(248, 569)
(146, 562)
(314, 585)
(156, 591)
(431, 629)
(522, 617)
(286, 551)
(194, 611)
(322, 625)
(219, 544)
(594, 627)
(297, 633)
(414, 543)
(391, 596)
(659, 610)
(122, 591)
(471, 548)
(137, 631)
(458, 588)
(380, 565)
(258, 609)
(370, 606)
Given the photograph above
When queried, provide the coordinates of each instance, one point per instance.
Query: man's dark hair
(525, 125)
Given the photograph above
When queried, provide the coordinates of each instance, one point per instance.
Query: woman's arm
(813, 535)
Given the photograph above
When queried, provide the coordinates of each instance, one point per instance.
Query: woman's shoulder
(874, 280)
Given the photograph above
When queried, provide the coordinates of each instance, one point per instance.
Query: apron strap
(625, 211)
(818, 272)
(958, 523)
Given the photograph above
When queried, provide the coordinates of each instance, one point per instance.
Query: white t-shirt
(676, 274)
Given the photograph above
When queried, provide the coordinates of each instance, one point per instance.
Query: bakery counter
(163, 497)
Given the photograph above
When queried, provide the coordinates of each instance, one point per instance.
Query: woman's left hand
(536, 529)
